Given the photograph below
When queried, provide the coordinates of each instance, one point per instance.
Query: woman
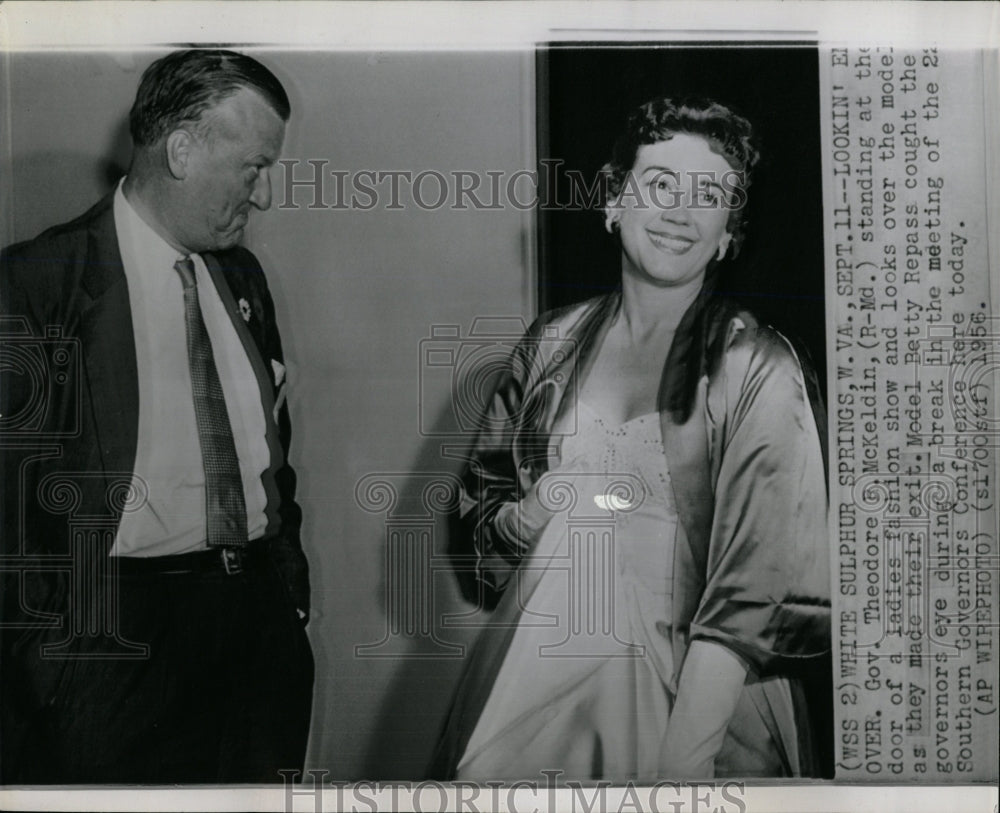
(654, 623)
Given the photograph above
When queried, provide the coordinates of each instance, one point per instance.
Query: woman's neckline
(612, 423)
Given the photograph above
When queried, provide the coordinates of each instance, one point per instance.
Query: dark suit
(69, 401)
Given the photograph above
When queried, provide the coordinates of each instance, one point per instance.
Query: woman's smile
(670, 242)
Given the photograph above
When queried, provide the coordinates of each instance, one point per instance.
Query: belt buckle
(232, 561)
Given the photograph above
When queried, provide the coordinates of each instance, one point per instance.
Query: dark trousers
(224, 695)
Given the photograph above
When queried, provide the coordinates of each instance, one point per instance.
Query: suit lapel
(265, 384)
(109, 346)
(254, 352)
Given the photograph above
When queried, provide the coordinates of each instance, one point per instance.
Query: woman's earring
(723, 246)
(610, 218)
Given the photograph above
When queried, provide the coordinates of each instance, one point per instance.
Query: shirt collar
(155, 251)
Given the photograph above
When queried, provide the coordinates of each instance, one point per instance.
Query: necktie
(225, 503)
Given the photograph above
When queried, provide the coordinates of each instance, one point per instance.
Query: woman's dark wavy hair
(658, 120)
(181, 86)
(731, 136)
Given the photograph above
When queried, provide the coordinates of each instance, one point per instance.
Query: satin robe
(744, 435)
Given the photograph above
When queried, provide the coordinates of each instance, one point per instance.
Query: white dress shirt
(168, 464)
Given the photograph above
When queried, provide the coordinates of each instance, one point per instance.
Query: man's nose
(261, 194)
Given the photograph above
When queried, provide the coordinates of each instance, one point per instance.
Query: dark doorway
(584, 97)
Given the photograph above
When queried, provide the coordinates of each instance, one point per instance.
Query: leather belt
(229, 561)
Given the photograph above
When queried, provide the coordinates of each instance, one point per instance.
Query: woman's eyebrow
(666, 170)
(702, 176)
(709, 182)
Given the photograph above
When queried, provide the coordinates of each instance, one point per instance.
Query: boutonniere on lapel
(279, 385)
(244, 309)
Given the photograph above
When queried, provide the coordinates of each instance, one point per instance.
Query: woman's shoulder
(555, 336)
(564, 319)
(745, 344)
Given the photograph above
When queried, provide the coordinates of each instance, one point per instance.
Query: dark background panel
(585, 95)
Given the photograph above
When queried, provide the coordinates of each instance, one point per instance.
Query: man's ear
(178, 146)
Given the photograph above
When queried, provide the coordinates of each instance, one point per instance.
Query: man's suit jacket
(69, 401)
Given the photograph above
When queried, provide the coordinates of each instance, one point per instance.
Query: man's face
(227, 171)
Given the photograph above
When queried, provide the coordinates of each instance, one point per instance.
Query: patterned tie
(225, 503)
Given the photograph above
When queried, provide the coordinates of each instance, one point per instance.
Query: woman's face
(673, 210)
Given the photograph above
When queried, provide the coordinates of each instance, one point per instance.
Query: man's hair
(728, 133)
(181, 86)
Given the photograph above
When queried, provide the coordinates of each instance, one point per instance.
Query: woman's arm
(499, 511)
(710, 686)
(766, 594)
(767, 585)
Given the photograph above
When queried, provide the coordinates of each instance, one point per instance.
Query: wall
(356, 293)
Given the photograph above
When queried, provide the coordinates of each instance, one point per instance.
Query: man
(154, 588)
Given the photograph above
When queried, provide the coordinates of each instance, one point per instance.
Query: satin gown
(741, 428)
(585, 686)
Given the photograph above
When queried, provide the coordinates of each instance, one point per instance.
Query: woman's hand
(524, 520)
(521, 522)
(711, 682)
